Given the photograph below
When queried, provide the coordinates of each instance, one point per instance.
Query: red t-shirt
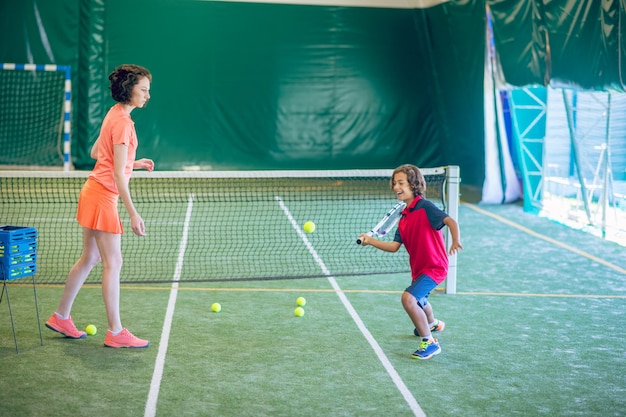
(419, 229)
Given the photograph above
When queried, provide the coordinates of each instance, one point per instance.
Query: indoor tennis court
(267, 114)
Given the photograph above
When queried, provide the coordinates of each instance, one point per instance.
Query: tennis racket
(386, 223)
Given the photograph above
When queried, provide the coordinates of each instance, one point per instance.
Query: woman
(97, 211)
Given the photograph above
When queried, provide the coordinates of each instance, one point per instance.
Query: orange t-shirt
(117, 128)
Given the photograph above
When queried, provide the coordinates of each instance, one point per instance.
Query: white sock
(62, 317)
(115, 333)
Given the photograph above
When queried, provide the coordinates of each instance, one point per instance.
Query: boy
(419, 229)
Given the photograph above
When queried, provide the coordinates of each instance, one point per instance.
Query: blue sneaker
(439, 326)
(427, 349)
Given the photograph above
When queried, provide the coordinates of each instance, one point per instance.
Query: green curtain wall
(569, 43)
(272, 86)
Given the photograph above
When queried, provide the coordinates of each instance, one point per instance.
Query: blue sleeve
(435, 214)
(397, 237)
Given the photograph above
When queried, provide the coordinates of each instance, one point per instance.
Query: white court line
(155, 385)
(408, 397)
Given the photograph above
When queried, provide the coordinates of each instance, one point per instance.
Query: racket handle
(359, 241)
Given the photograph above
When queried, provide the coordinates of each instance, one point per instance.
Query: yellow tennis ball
(309, 227)
(301, 301)
(91, 330)
(216, 307)
(299, 312)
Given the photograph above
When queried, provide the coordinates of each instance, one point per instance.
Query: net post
(453, 180)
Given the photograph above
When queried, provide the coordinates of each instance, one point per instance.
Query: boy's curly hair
(124, 78)
(414, 177)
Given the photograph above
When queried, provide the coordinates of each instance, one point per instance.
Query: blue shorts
(421, 288)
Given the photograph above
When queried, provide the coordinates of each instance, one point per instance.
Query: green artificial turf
(534, 330)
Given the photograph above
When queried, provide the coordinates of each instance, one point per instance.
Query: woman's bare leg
(79, 272)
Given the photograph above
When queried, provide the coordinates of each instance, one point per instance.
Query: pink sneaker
(124, 339)
(65, 327)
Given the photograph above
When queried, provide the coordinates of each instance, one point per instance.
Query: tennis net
(223, 226)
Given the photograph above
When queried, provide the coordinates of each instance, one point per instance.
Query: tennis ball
(309, 227)
(91, 330)
(301, 301)
(299, 312)
(216, 307)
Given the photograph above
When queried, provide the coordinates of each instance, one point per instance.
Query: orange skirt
(97, 208)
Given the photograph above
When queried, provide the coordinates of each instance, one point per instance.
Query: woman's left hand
(144, 163)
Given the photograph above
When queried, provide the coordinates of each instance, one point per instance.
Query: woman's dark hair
(414, 177)
(124, 78)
